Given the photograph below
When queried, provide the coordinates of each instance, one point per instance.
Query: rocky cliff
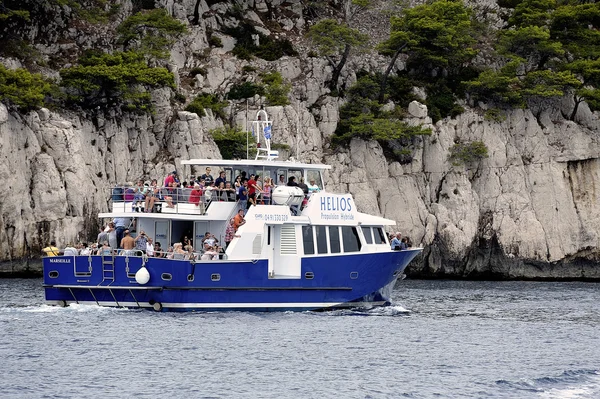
(528, 210)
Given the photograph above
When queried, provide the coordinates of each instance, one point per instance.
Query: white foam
(589, 389)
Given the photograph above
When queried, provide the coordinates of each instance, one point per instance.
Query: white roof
(255, 163)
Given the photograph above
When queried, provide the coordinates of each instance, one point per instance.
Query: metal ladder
(108, 269)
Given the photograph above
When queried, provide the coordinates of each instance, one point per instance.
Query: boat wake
(571, 384)
(388, 311)
(57, 309)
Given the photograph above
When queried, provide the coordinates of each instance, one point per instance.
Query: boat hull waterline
(327, 282)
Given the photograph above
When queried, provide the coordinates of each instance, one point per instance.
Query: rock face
(528, 210)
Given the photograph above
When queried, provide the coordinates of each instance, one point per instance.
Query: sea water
(439, 339)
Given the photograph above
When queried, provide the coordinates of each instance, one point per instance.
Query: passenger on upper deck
(152, 195)
(171, 178)
(229, 192)
(253, 188)
(207, 176)
(267, 188)
(196, 197)
(170, 194)
(221, 178)
(238, 183)
(51, 249)
(281, 181)
(243, 196)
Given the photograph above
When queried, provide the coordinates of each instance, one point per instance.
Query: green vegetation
(151, 32)
(467, 153)
(335, 40)
(232, 142)
(552, 49)
(245, 90)
(276, 90)
(362, 116)
(23, 89)
(119, 79)
(268, 49)
(207, 101)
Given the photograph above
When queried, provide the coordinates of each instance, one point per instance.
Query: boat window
(314, 175)
(367, 233)
(321, 239)
(350, 239)
(307, 238)
(334, 239)
(379, 235)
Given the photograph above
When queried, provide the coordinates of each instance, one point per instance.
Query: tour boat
(294, 252)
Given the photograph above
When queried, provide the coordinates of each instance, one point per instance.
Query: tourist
(267, 188)
(211, 253)
(105, 249)
(237, 184)
(253, 188)
(221, 178)
(85, 249)
(207, 176)
(229, 232)
(158, 252)
(239, 220)
(121, 224)
(178, 252)
(281, 180)
(312, 187)
(141, 242)
(196, 197)
(127, 242)
(171, 179)
(51, 249)
(395, 245)
(149, 247)
(229, 192)
(243, 196)
(152, 196)
(70, 250)
(292, 181)
(209, 240)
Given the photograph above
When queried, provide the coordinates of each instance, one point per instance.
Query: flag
(268, 132)
(253, 134)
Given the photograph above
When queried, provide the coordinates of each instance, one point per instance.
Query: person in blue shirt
(396, 243)
(243, 196)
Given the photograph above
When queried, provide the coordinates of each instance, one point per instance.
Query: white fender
(142, 276)
(287, 195)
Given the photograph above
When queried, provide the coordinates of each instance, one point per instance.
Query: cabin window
(379, 235)
(367, 233)
(350, 238)
(307, 238)
(321, 239)
(334, 239)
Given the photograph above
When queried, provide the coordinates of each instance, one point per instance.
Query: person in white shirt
(312, 187)
(149, 247)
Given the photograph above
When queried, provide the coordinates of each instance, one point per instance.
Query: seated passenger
(105, 249)
(70, 250)
(209, 240)
(211, 253)
(178, 252)
(51, 249)
(139, 196)
(152, 196)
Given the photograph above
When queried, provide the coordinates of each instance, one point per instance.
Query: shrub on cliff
(245, 90)
(268, 48)
(232, 142)
(207, 101)
(276, 90)
(151, 32)
(23, 89)
(108, 80)
(466, 153)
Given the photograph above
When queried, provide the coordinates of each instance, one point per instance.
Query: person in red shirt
(252, 189)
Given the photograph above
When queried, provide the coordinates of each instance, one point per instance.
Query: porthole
(215, 277)
(309, 275)
(53, 274)
(166, 276)
(354, 275)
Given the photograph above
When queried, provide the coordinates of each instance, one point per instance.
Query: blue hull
(357, 280)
